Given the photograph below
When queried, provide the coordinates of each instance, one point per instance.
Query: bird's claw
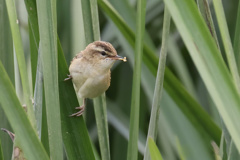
(69, 77)
(79, 113)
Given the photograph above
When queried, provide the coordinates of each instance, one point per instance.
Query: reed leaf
(236, 44)
(135, 101)
(209, 63)
(172, 85)
(155, 112)
(48, 43)
(227, 42)
(92, 33)
(6, 57)
(75, 136)
(154, 152)
(14, 23)
(17, 117)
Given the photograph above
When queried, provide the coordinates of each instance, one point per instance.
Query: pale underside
(89, 80)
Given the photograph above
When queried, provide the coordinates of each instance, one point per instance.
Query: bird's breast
(95, 86)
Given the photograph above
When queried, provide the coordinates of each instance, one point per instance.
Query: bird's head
(102, 53)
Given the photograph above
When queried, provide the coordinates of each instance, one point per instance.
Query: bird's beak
(117, 57)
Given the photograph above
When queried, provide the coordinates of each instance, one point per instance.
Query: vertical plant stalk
(222, 23)
(21, 59)
(34, 54)
(92, 33)
(88, 23)
(152, 130)
(132, 153)
(48, 35)
(95, 20)
(100, 105)
(33, 35)
(102, 126)
(236, 45)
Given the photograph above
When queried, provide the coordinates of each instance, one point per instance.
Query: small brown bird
(90, 71)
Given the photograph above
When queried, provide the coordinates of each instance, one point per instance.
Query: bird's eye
(103, 53)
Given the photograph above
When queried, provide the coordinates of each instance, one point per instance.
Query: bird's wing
(78, 72)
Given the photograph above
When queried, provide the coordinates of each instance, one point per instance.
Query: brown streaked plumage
(90, 70)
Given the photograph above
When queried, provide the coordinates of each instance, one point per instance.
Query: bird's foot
(69, 77)
(79, 113)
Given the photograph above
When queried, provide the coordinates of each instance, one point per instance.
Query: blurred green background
(182, 131)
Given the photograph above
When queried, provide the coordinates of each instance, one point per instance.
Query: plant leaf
(154, 152)
(155, 112)
(206, 57)
(175, 89)
(17, 117)
(92, 33)
(48, 43)
(222, 23)
(132, 153)
(75, 136)
(6, 57)
(21, 59)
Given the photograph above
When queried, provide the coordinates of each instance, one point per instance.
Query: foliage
(194, 115)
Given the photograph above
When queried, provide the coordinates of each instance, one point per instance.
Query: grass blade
(175, 123)
(233, 152)
(38, 95)
(44, 134)
(180, 149)
(154, 152)
(48, 36)
(17, 117)
(152, 129)
(222, 23)
(209, 63)
(20, 58)
(102, 126)
(33, 35)
(180, 66)
(75, 136)
(88, 25)
(216, 151)
(132, 153)
(6, 42)
(206, 13)
(6, 56)
(236, 45)
(100, 106)
(34, 54)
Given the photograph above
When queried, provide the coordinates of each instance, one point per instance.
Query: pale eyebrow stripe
(100, 48)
